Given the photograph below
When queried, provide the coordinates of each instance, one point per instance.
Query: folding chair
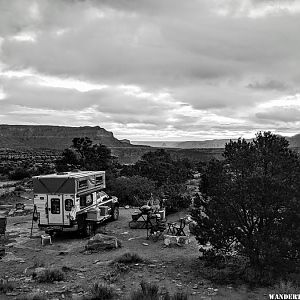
(171, 228)
(179, 228)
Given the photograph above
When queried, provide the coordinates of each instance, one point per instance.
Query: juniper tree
(251, 201)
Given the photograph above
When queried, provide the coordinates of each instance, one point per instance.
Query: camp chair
(179, 228)
(171, 228)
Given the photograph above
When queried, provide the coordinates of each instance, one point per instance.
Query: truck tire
(115, 213)
(87, 230)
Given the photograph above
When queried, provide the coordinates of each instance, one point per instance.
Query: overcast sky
(152, 69)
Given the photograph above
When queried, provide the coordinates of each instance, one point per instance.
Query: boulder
(102, 242)
(170, 240)
(2, 251)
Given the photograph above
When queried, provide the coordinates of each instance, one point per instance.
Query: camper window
(89, 199)
(82, 201)
(99, 180)
(55, 206)
(82, 184)
(86, 200)
(68, 204)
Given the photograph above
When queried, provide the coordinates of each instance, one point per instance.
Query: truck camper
(73, 201)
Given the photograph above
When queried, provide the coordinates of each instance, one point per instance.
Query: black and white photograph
(149, 149)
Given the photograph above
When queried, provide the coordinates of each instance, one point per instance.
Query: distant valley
(206, 144)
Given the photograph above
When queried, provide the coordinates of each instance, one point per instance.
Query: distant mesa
(54, 137)
(58, 138)
(125, 141)
(295, 140)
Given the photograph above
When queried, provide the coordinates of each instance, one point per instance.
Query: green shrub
(286, 287)
(129, 258)
(251, 205)
(19, 174)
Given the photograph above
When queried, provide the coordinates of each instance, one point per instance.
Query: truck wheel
(115, 214)
(87, 230)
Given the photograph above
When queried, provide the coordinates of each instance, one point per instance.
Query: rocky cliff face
(54, 137)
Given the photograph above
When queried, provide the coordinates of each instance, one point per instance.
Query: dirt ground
(172, 268)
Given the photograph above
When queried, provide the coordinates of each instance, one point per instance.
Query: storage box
(46, 239)
(93, 214)
(162, 213)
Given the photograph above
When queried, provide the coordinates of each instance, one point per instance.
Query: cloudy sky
(152, 69)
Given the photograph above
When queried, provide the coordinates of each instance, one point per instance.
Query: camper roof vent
(61, 173)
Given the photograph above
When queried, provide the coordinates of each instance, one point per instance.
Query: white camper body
(64, 201)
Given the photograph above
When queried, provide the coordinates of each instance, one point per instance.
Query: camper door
(55, 209)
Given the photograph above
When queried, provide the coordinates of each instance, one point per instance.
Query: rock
(145, 244)
(102, 242)
(37, 272)
(12, 294)
(11, 257)
(104, 263)
(77, 297)
(2, 251)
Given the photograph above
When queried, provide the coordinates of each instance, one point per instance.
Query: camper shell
(72, 201)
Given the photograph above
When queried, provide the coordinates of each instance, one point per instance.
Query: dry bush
(49, 275)
(129, 258)
(179, 296)
(5, 286)
(38, 263)
(100, 291)
(286, 287)
(115, 273)
(150, 291)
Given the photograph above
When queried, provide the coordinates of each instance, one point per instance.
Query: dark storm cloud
(269, 85)
(219, 59)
